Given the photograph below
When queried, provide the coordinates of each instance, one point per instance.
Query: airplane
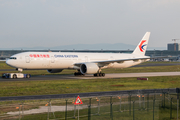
(84, 63)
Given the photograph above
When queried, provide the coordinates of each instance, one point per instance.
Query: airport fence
(132, 106)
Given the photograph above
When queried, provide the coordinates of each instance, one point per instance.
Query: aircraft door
(27, 59)
(52, 59)
(86, 59)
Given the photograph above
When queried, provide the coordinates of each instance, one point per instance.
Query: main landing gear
(95, 75)
(99, 75)
(78, 74)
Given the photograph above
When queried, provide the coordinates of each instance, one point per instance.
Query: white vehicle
(15, 75)
(84, 63)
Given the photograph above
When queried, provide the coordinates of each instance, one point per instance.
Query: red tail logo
(141, 46)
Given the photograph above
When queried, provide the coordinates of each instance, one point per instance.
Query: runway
(107, 76)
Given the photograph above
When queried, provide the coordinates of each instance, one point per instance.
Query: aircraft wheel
(100, 74)
(14, 76)
(28, 76)
(103, 74)
(78, 74)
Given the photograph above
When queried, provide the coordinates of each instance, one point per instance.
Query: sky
(50, 23)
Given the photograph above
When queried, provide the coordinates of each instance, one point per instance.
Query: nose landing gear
(19, 69)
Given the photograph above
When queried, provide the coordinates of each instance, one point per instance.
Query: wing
(107, 62)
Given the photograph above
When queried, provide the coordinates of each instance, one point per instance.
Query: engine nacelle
(55, 70)
(89, 68)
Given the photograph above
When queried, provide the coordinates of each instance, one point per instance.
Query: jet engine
(89, 68)
(55, 70)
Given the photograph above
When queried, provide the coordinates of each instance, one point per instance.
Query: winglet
(141, 48)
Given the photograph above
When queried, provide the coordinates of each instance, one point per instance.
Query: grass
(105, 116)
(3, 65)
(159, 113)
(21, 88)
(174, 68)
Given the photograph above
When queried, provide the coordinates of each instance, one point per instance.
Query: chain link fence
(132, 106)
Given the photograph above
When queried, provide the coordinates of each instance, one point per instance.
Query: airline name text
(39, 55)
(66, 56)
(56, 56)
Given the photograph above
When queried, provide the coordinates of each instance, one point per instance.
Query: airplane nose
(7, 62)
(10, 63)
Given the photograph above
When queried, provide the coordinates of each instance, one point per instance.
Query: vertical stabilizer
(142, 46)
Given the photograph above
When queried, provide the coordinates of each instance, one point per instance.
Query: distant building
(173, 47)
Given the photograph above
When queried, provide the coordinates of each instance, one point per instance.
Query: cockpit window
(13, 58)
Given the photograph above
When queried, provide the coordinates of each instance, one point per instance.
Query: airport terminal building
(173, 47)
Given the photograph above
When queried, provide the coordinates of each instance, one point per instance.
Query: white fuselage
(85, 63)
(66, 60)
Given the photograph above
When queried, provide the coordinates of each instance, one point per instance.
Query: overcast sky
(49, 23)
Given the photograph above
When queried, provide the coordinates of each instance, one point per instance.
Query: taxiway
(113, 75)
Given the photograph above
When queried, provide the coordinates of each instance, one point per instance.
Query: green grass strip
(21, 88)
